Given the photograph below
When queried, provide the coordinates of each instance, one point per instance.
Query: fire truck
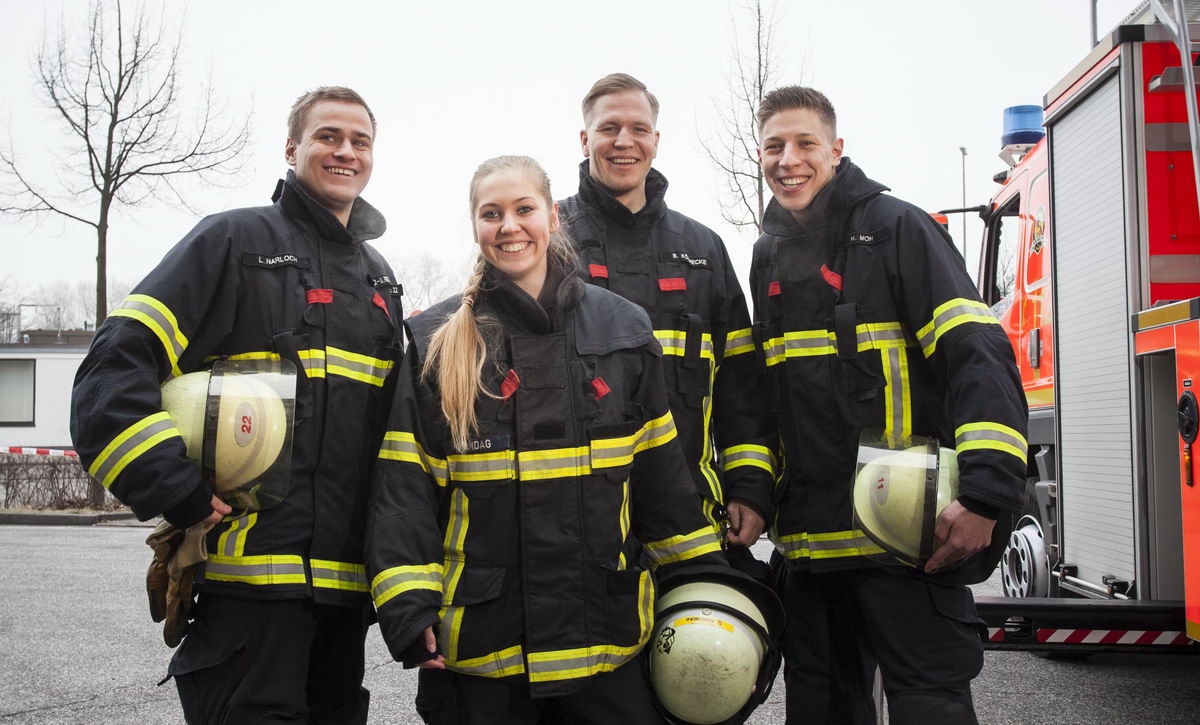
(1091, 262)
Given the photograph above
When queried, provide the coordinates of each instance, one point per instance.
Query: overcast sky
(453, 83)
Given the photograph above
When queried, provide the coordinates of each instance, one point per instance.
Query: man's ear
(289, 152)
(583, 141)
(838, 144)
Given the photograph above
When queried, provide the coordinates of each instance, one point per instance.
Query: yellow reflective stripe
(362, 368)
(313, 362)
(897, 394)
(949, 315)
(748, 455)
(454, 547)
(131, 443)
(492, 466)
(827, 545)
(739, 342)
(554, 463)
(715, 490)
(403, 446)
(266, 569)
(232, 541)
(991, 436)
(399, 579)
(623, 520)
(674, 342)
(159, 319)
(682, 547)
(343, 575)
(656, 432)
(506, 662)
(880, 335)
(252, 356)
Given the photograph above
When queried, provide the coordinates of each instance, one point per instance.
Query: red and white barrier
(39, 451)
(1140, 637)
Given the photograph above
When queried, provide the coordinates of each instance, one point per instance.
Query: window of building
(16, 392)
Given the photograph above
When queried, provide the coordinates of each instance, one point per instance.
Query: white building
(35, 387)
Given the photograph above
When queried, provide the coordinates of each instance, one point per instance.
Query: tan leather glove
(169, 579)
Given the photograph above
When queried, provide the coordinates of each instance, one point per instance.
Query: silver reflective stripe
(728, 460)
(896, 373)
(967, 309)
(675, 548)
(570, 463)
(339, 575)
(266, 569)
(1015, 441)
(402, 446)
(405, 575)
(313, 362)
(808, 343)
(171, 336)
(481, 467)
(739, 341)
(605, 659)
(131, 443)
(510, 662)
(870, 336)
(357, 367)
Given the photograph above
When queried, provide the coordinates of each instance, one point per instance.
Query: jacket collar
(522, 313)
(848, 187)
(595, 194)
(366, 222)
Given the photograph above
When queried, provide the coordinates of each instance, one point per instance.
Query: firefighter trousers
(924, 637)
(272, 661)
(620, 697)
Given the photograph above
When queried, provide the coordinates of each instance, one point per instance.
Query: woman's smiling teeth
(513, 247)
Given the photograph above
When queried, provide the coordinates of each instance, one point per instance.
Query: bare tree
(119, 97)
(427, 280)
(734, 150)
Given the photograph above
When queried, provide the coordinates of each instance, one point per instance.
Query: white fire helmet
(899, 494)
(236, 423)
(714, 653)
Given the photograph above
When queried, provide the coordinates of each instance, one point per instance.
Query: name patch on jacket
(874, 237)
(273, 260)
(491, 443)
(684, 257)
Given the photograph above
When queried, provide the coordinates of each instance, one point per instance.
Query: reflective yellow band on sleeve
(748, 455)
(949, 315)
(159, 319)
(399, 579)
(506, 662)
(826, 545)
(682, 547)
(403, 446)
(991, 436)
(739, 342)
(131, 443)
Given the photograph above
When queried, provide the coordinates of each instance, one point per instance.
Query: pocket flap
(476, 585)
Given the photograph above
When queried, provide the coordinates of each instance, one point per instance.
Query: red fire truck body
(1091, 261)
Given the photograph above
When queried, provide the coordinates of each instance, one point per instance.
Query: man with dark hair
(679, 271)
(869, 322)
(283, 609)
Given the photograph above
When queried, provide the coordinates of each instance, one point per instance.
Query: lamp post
(963, 150)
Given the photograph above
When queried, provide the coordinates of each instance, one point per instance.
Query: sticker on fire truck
(710, 621)
(1039, 230)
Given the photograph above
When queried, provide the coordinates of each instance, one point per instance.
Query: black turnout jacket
(286, 280)
(867, 320)
(518, 548)
(679, 272)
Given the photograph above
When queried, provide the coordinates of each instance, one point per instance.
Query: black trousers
(272, 661)
(620, 697)
(924, 637)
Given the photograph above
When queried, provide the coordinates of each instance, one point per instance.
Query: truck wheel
(1025, 566)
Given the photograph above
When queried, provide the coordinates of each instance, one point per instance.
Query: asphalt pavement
(77, 646)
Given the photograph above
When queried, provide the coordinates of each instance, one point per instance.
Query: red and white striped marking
(1111, 636)
(1101, 636)
(39, 451)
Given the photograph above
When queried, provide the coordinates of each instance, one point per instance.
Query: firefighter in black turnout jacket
(283, 607)
(529, 440)
(867, 319)
(679, 272)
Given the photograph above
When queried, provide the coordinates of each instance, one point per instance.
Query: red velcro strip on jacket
(378, 300)
(773, 289)
(511, 382)
(601, 388)
(833, 278)
(670, 284)
(598, 270)
(324, 296)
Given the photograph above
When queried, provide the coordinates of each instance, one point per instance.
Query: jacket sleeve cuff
(980, 508)
(194, 508)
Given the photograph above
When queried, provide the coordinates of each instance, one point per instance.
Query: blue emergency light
(1022, 125)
